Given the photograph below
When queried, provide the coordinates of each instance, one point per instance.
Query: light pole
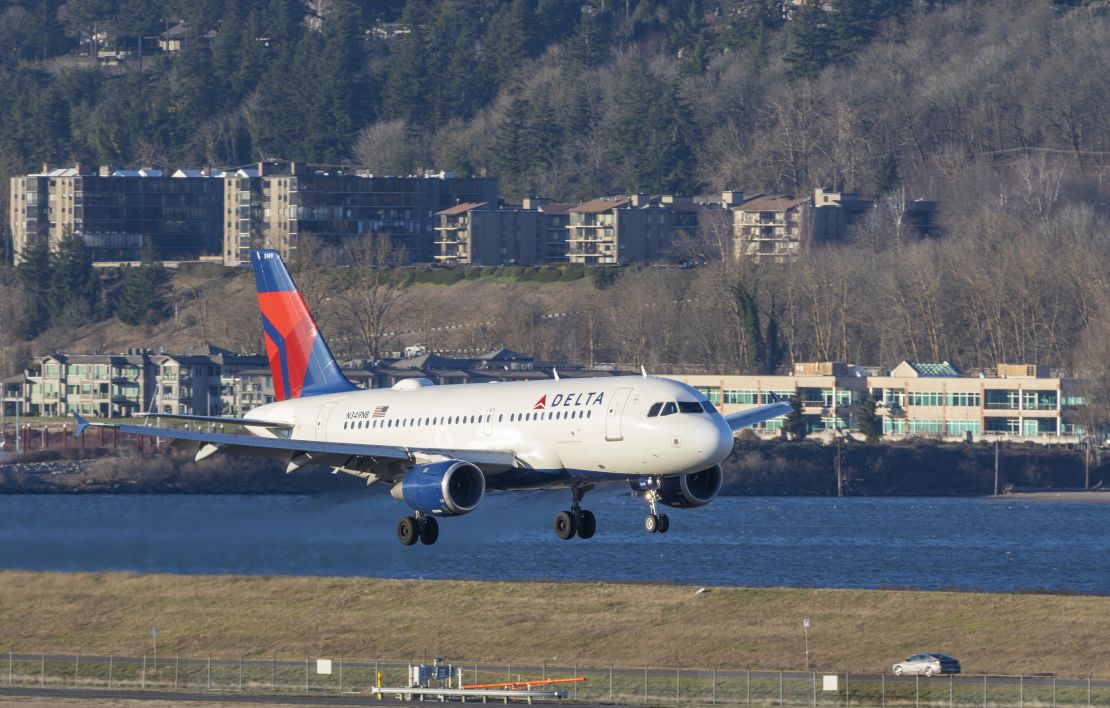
(805, 627)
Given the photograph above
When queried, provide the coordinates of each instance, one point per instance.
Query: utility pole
(1087, 462)
(839, 467)
(996, 468)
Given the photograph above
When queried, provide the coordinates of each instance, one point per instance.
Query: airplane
(440, 448)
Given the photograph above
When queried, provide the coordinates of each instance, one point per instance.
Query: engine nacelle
(446, 488)
(690, 490)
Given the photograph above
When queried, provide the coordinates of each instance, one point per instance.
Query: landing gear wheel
(587, 524)
(406, 531)
(564, 525)
(429, 530)
(662, 523)
(651, 523)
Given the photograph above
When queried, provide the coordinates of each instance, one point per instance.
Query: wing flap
(254, 423)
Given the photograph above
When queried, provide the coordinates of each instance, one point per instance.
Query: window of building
(926, 398)
(960, 426)
(740, 396)
(893, 398)
(964, 399)
(712, 393)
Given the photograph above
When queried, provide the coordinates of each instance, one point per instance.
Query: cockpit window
(669, 408)
(690, 407)
(654, 410)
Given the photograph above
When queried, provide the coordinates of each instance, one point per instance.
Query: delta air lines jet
(441, 448)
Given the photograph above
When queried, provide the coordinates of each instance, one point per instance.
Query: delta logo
(570, 400)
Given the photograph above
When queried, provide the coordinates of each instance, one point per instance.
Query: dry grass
(531, 622)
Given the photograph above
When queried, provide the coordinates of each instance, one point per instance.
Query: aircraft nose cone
(714, 441)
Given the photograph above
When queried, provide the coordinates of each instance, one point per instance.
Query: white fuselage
(565, 430)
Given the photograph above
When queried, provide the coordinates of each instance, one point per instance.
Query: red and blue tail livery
(300, 361)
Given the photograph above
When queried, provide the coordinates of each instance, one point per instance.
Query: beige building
(1018, 402)
(632, 229)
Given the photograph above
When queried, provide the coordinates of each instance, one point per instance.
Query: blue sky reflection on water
(924, 543)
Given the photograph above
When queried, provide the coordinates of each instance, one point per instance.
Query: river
(1004, 544)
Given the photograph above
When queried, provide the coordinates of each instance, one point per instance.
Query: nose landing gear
(655, 522)
(578, 520)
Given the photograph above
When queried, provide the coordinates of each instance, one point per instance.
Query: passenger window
(654, 410)
(669, 408)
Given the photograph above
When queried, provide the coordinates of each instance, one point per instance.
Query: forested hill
(996, 109)
(565, 98)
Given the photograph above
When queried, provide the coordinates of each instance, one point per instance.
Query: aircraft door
(613, 414)
(322, 420)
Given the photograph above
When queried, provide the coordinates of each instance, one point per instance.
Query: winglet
(774, 397)
(81, 424)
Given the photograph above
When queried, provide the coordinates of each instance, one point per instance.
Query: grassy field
(602, 624)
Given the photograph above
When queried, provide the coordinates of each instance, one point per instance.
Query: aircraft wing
(301, 452)
(751, 416)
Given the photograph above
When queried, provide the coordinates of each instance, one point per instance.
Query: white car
(927, 665)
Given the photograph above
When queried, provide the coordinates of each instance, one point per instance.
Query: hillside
(992, 108)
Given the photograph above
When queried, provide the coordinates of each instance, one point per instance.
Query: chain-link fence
(593, 684)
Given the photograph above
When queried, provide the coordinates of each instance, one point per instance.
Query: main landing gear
(422, 527)
(577, 520)
(655, 522)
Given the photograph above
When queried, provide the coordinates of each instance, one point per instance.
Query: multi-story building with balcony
(480, 235)
(116, 211)
(298, 201)
(632, 229)
(114, 386)
(769, 228)
(105, 386)
(915, 399)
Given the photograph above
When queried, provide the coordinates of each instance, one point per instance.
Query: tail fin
(300, 361)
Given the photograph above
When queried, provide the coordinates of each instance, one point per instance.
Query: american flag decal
(380, 411)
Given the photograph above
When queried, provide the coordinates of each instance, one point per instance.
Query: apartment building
(117, 210)
(298, 201)
(201, 381)
(1017, 402)
(479, 234)
(635, 229)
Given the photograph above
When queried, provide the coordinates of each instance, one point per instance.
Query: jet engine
(444, 488)
(694, 489)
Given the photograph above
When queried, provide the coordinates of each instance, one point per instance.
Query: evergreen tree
(753, 352)
(870, 424)
(652, 134)
(888, 176)
(143, 301)
(794, 424)
(74, 294)
(811, 42)
(589, 45)
(34, 272)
